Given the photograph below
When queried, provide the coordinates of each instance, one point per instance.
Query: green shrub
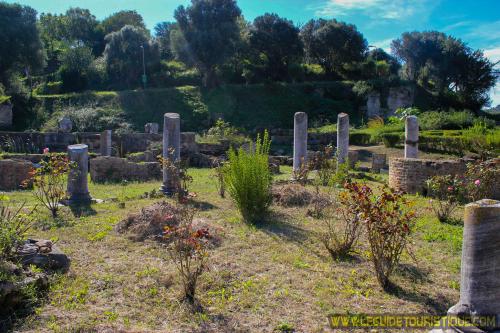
(13, 227)
(49, 88)
(390, 140)
(360, 139)
(248, 179)
(446, 120)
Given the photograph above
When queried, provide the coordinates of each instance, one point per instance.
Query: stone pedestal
(342, 137)
(171, 151)
(106, 143)
(78, 188)
(299, 140)
(378, 162)
(411, 137)
(480, 271)
(151, 128)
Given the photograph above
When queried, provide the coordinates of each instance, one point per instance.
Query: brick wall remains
(410, 174)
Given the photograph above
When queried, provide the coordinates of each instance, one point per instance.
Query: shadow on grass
(437, 306)
(202, 205)
(82, 210)
(277, 224)
(414, 273)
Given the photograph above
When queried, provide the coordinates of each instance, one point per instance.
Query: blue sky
(476, 22)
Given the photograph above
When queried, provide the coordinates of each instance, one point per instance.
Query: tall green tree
(120, 19)
(21, 47)
(76, 69)
(210, 29)
(333, 44)
(447, 67)
(124, 56)
(162, 35)
(277, 39)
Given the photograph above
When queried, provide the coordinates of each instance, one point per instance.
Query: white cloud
(494, 55)
(384, 44)
(380, 9)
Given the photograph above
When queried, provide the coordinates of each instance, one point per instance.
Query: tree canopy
(446, 66)
(277, 39)
(120, 19)
(210, 29)
(124, 56)
(21, 47)
(333, 44)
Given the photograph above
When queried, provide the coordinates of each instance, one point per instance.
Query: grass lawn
(271, 277)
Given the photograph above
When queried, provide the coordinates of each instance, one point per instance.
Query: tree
(333, 44)
(123, 56)
(76, 69)
(21, 47)
(446, 67)
(210, 29)
(162, 34)
(277, 39)
(120, 19)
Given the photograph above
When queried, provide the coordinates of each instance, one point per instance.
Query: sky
(476, 22)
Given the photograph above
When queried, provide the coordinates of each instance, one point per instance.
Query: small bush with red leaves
(187, 248)
(388, 221)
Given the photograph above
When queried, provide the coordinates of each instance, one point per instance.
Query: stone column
(299, 140)
(411, 137)
(171, 150)
(78, 189)
(480, 272)
(106, 143)
(342, 137)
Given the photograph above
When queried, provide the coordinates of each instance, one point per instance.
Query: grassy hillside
(252, 106)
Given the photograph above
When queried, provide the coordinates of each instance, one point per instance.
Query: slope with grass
(251, 106)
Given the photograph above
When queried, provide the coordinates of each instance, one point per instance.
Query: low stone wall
(13, 173)
(114, 169)
(410, 174)
(122, 144)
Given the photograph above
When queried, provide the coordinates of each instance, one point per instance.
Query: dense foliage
(248, 179)
(210, 43)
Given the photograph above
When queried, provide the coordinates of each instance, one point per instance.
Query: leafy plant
(388, 221)
(447, 192)
(218, 168)
(49, 180)
(343, 227)
(248, 179)
(301, 175)
(403, 113)
(13, 226)
(326, 164)
(188, 250)
(180, 178)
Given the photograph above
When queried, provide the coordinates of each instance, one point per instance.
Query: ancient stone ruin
(342, 137)
(480, 270)
(106, 143)
(171, 151)
(78, 189)
(151, 128)
(410, 175)
(65, 125)
(411, 137)
(299, 140)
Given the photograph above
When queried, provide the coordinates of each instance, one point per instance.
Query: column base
(168, 191)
